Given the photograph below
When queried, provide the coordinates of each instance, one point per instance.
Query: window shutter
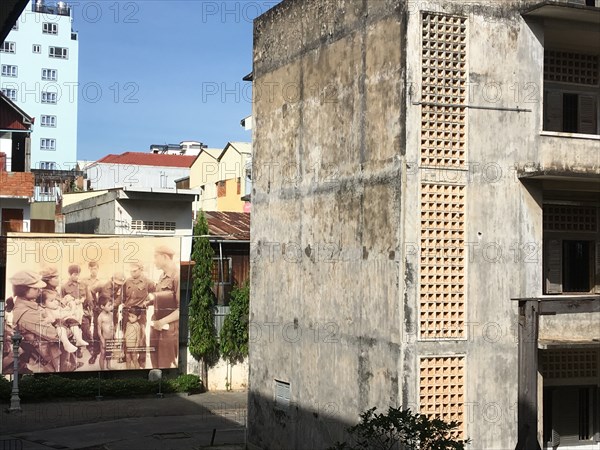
(553, 266)
(587, 115)
(553, 111)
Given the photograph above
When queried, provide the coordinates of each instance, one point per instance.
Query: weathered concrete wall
(326, 285)
(584, 327)
(90, 217)
(337, 88)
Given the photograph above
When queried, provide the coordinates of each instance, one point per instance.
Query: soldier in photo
(26, 314)
(89, 324)
(164, 329)
(136, 290)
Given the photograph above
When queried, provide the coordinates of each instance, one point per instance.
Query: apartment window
(571, 249)
(49, 121)
(8, 47)
(49, 98)
(37, 48)
(221, 270)
(9, 71)
(47, 144)
(571, 92)
(49, 74)
(48, 165)
(239, 185)
(10, 93)
(58, 52)
(152, 225)
(49, 28)
(221, 188)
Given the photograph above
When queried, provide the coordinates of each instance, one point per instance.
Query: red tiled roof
(230, 226)
(149, 159)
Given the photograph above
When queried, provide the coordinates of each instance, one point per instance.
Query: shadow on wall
(85, 227)
(273, 425)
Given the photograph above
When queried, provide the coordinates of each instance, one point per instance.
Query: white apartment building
(39, 72)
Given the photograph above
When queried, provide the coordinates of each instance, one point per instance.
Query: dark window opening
(576, 266)
(570, 113)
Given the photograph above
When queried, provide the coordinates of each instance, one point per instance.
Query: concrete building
(439, 246)
(156, 212)
(183, 148)
(138, 170)
(39, 61)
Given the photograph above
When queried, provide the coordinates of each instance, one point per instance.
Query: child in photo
(75, 292)
(106, 329)
(133, 337)
(61, 317)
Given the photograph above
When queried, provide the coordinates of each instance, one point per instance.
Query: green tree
(204, 345)
(401, 429)
(234, 334)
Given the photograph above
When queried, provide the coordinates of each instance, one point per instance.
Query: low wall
(223, 376)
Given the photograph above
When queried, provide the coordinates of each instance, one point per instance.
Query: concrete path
(174, 422)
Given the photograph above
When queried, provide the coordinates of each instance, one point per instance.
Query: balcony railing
(60, 9)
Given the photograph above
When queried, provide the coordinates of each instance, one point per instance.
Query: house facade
(222, 177)
(138, 170)
(230, 241)
(438, 247)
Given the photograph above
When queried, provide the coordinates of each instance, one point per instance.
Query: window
(49, 121)
(571, 249)
(571, 92)
(239, 185)
(48, 165)
(47, 144)
(9, 71)
(282, 395)
(58, 52)
(49, 98)
(570, 418)
(37, 48)
(8, 47)
(49, 28)
(10, 93)
(49, 74)
(221, 188)
(152, 225)
(16, 26)
(221, 270)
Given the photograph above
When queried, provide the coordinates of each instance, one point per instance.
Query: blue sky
(156, 72)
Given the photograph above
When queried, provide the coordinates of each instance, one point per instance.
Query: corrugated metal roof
(149, 159)
(232, 226)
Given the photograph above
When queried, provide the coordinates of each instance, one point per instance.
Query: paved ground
(171, 423)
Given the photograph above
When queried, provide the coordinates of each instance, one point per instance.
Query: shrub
(234, 334)
(54, 387)
(401, 429)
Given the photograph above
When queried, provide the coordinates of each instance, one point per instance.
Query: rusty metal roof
(230, 226)
(149, 159)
